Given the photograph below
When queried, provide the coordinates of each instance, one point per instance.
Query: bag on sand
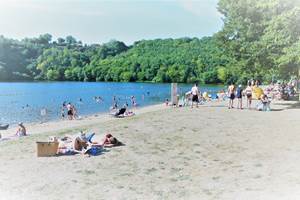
(93, 151)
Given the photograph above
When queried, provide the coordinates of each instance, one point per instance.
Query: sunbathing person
(77, 144)
(110, 141)
(121, 112)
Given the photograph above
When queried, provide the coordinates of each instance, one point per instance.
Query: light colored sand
(182, 153)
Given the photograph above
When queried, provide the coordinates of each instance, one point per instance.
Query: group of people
(196, 97)
(252, 91)
(83, 143)
(70, 109)
(115, 103)
(282, 90)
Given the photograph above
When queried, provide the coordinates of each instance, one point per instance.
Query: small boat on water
(4, 126)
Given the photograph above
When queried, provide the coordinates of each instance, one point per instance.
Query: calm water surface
(24, 101)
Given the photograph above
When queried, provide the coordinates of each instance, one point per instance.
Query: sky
(99, 21)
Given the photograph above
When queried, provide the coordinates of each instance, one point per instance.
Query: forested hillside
(260, 39)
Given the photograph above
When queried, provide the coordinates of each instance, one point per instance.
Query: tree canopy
(260, 39)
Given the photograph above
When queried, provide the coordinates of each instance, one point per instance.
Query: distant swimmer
(100, 99)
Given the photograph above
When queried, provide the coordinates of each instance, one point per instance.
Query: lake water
(24, 101)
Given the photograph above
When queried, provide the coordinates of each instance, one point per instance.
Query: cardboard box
(45, 149)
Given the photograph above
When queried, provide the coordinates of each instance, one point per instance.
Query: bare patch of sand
(170, 153)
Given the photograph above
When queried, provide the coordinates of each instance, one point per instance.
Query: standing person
(133, 101)
(70, 111)
(239, 95)
(195, 95)
(231, 95)
(43, 113)
(167, 102)
(248, 92)
(62, 111)
(114, 103)
(74, 112)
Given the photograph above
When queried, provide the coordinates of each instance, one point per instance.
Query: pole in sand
(174, 98)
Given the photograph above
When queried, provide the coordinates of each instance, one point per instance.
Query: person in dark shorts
(239, 95)
(248, 92)
(195, 95)
(70, 111)
(231, 94)
(195, 98)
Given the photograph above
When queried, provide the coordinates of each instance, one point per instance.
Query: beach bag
(45, 149)
(94, 151)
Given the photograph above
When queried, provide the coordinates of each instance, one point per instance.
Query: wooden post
(174, 94)
(297, 85)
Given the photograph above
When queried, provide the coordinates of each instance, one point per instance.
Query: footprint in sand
(151, 170)
(215, 178)
(258, 165)
(257, 176)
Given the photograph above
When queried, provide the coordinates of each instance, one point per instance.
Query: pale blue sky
(98, 21)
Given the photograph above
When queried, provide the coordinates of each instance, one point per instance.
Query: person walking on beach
(239, 95)
(231, 95)
(195, 95)
(248, 92)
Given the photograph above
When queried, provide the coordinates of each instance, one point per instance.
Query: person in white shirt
(195, 95)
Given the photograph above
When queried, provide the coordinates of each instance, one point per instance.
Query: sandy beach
(209, 152)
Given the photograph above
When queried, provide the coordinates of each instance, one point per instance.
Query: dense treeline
(260, 39)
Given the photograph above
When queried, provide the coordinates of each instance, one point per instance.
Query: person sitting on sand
(82, 141)
(78, 144)
(206, 96)
(221, 95)
(265, 102)
(121, 112)
(21, 131)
